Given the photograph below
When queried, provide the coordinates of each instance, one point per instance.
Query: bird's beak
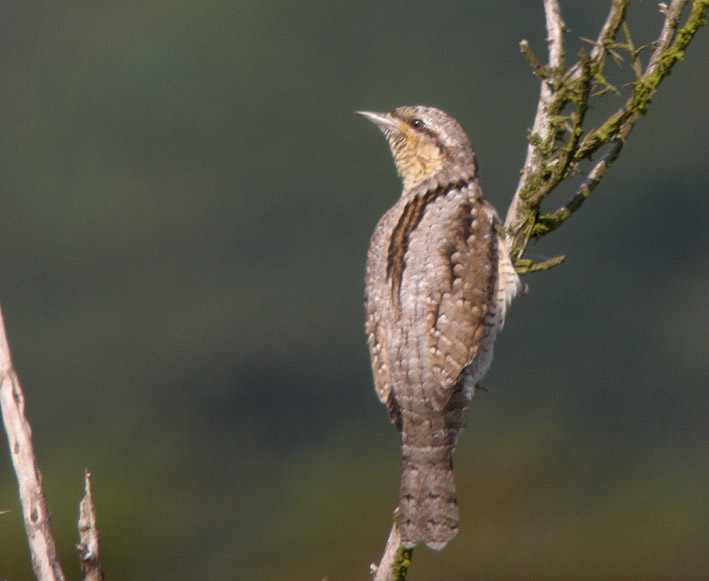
(381, 120)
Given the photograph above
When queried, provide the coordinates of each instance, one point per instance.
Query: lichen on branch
(559, 141)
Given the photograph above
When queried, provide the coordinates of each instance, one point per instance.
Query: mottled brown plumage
(439, 280)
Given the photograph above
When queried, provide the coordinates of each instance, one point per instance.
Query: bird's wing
(378, 353)
(462, 313)
(378, 307)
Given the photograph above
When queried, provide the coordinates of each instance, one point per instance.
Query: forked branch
(559, 142)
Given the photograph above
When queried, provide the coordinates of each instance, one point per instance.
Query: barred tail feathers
(427, 503)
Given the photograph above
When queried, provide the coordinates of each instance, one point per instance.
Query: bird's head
(426, 144)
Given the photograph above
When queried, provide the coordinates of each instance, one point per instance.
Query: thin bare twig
(35, 510)
(89, 546)
(606, 36)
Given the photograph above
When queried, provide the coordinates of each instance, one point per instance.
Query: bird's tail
(428, 507)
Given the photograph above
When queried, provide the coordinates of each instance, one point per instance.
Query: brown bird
(439, 280)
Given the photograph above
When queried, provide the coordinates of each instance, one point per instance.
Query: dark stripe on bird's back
(410, 218)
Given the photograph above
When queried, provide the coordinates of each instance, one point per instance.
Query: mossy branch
(396, 560)
(559, 142)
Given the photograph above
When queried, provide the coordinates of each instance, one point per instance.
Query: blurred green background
(187, 200)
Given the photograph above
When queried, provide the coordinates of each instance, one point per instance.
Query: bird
(439, 280)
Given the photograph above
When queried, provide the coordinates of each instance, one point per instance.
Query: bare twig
(89, 543)
(29, 479)
(607, 35)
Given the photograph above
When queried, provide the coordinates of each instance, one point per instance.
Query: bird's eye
(417, 124)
